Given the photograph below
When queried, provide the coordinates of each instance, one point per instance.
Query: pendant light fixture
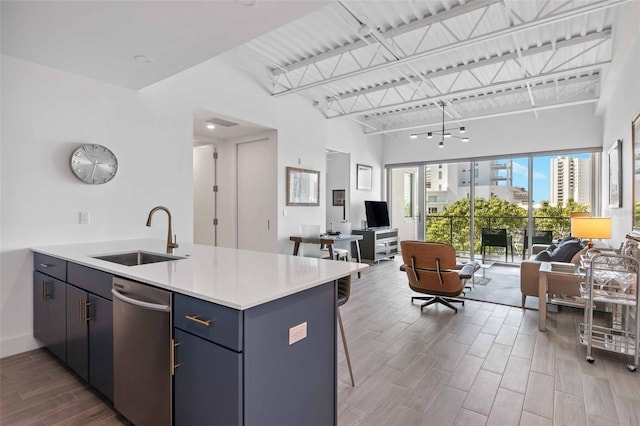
(444, 133)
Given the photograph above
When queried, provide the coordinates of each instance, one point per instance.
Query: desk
(329, 241)
(543, 280)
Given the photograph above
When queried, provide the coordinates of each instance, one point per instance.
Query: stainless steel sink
(134, 258)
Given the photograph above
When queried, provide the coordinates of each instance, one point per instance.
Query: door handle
(174, 345)
(140, 303)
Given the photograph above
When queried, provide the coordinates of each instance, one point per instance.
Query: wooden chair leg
(344, 343)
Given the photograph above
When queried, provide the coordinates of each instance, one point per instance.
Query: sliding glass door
(527, 198)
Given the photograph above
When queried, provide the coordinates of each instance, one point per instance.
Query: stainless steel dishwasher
(142, 352)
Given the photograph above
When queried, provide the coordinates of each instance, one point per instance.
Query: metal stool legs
(344, 343)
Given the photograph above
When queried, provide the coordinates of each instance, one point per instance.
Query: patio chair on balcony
(538, 237)
(496, 238)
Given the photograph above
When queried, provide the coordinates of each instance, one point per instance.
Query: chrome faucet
(171, 244)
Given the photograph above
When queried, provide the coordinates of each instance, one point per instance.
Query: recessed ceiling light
(210, 126)
(413, 136)
(142, 58)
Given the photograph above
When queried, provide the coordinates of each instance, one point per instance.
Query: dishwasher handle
(140, 303)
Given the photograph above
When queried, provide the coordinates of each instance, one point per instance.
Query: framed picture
(338, 197)
(364, 176)
(303, 187)
(615, 175)
(635, 190)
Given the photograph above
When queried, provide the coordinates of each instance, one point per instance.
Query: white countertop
(239, 279)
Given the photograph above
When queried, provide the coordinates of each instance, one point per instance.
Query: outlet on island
(297, 333)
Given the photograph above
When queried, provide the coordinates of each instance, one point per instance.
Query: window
(432, 210)
(440, 174)
(432, 199)
(409, 183)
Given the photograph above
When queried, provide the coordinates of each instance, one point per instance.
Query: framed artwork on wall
(615, 175)
(635, 181)
(303, 187)
(364, 177)
(338, 197)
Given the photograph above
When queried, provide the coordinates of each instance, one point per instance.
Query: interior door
(203, 195)
(256, 196)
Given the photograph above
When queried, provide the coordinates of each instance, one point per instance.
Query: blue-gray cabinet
(240, 367)
(90, 338)
(73, 317)
(207, 382)
(90, 326)
(49, 313)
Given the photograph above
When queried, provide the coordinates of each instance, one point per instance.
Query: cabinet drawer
(91, 280)
(51, 266)
(385, 235)
(213, 322)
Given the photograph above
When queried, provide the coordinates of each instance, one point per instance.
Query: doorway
(338, 188)
(234, 183)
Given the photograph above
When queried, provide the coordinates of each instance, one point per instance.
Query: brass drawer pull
(45, 265)
(195, 319)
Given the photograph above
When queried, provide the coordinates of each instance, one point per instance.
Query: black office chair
(538, 237)
(496, 238)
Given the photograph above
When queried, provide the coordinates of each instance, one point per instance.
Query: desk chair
(431, 269)
(496, 238)
(310, 245)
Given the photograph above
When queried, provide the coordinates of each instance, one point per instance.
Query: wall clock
(93, 164)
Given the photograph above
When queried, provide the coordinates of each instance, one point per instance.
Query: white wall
(558, 129)
(344, 135)
(620, 103)
(46, 113)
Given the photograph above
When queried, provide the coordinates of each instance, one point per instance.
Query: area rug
(482, 280)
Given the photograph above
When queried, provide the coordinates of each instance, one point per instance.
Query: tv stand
(378, 243)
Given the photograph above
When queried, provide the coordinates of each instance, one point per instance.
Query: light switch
(297, 333)
(85, 218)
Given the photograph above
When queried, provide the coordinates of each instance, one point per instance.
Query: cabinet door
(77, 332)
(56, 294)
(49, 313)
(100, 314)
(207, 384)
(40, 308)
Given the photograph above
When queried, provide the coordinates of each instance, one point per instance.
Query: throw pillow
(576, 257)
(566, 250)
(543, 256)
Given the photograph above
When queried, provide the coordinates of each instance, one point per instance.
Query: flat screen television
(377, 214)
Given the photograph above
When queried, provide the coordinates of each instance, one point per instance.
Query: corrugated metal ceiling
(389, 65)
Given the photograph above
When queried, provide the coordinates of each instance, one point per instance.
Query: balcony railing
(455, 230)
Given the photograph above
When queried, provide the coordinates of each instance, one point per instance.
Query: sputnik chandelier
(444, 133)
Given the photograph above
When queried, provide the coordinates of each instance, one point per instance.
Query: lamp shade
(591, 227)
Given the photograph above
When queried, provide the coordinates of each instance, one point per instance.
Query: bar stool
(344, 290)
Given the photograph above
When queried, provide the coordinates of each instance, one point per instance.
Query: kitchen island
(253, 335)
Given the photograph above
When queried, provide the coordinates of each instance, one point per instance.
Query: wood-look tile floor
(487, 364)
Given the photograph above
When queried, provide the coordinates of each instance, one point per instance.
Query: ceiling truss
(388, 64)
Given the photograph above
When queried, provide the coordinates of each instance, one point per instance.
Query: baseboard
(17, 345)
